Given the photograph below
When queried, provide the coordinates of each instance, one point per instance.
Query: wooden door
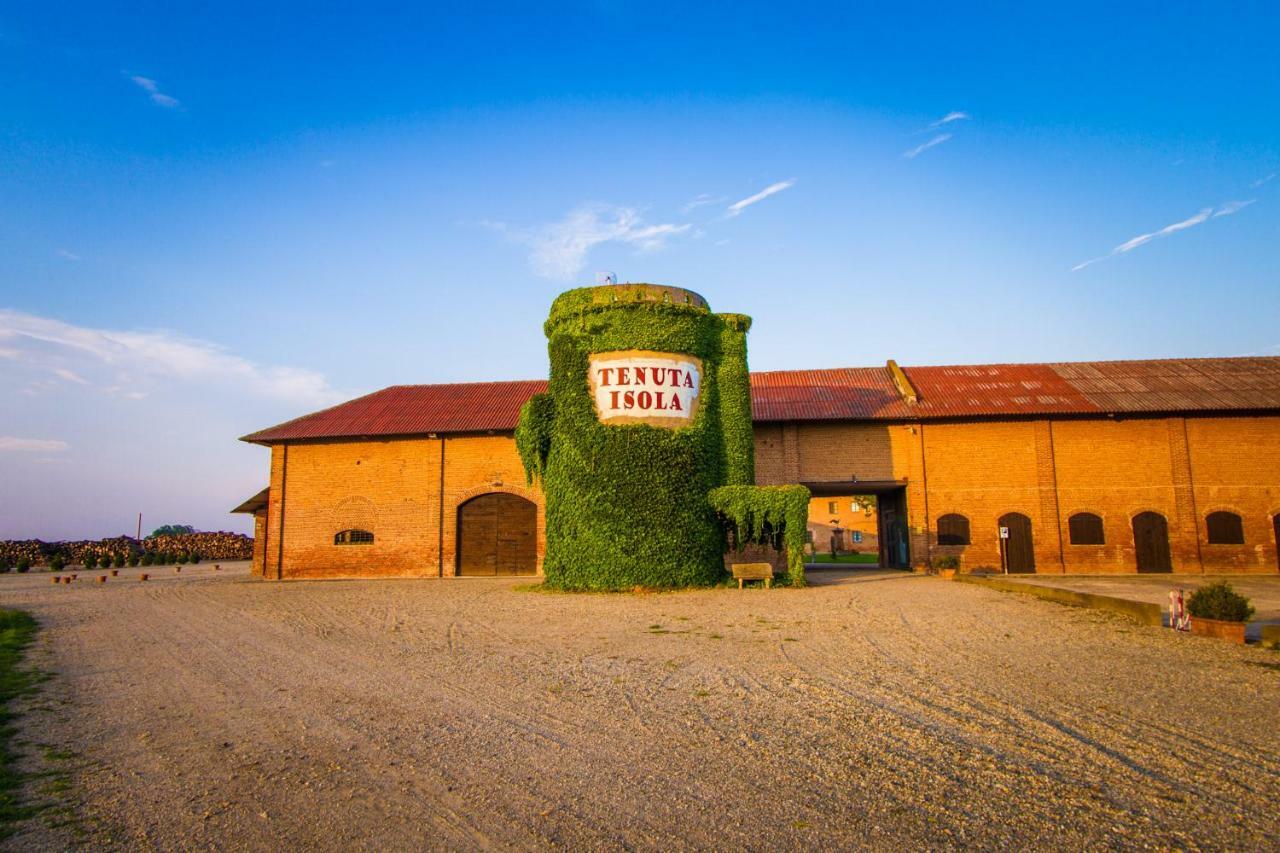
(1019, 548)
(1151, 542)
(497, 535)
(1275, 532)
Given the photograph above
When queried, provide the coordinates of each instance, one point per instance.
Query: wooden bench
(753, 572)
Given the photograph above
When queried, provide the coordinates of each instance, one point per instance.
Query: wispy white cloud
(559, 249)
(773, 189)
(68, 254)
(152, 88)
(1265, 179)
(30, 445)
(954, 115)
(1199, 218)
(70, 375)
(1232, 207)
(702, 200)
(71, 351)
(913, 153)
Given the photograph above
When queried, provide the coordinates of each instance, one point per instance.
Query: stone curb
(1141, 611)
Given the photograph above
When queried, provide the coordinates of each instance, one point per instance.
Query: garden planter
(947, 574)
(1232, 631)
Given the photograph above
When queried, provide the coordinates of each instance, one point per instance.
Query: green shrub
(195, 556)
(5, 563)
(24, 564)
(56, 563)
(146, 558)
(118, 562)
(89, 560)
(1219, 601)
(948, 562)
(182, 559)
(172, 530)
(105, 561)
(134, 559)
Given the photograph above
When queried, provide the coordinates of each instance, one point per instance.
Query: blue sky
(215, 220)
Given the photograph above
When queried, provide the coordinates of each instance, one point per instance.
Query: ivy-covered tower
(648, 410)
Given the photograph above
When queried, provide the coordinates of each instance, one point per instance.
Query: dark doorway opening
(497, 536)
(895, 544)
(1019, 548)
(859, 524)
(1275, 532)
(1151, 542)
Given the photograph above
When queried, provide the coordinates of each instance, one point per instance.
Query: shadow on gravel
(823, 576)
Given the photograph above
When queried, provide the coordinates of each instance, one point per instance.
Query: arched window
(1225, 528)
(353, 537)
(953, 529)
(1085, 528)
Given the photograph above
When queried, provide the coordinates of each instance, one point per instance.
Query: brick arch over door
(497, 536)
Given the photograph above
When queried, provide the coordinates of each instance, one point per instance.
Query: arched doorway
(497, 536)
(1151, 542)
(1019, 549)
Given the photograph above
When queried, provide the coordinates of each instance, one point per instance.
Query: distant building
(1090, 467)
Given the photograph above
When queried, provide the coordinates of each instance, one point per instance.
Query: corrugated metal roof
(846, 393)
(856, 393)
(1176, 385)
(414, 410)
(993, 389)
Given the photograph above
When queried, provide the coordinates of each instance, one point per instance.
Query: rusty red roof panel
(413, 410)
(994, 389)
(847, 393)
(854, 393)
(1176, 385)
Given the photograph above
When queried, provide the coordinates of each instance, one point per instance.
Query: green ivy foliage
(627, 504)
(767, 515)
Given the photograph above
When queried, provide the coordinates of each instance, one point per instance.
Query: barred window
(953, 529)
(1225, 528)
(353, 537)
(1085, 528)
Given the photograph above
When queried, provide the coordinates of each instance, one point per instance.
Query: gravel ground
(207, 710)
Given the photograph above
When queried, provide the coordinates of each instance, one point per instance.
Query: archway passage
(497, 536)
(1151, 542)
(1019, 549)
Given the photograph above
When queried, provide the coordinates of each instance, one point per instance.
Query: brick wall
(390, 488)
(1048, 471)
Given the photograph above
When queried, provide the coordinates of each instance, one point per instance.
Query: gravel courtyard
(208, 710)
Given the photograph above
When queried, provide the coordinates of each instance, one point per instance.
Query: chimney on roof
(900, 381)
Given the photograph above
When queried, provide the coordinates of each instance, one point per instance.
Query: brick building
(1091, 467)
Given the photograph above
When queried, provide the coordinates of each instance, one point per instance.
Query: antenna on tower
(606, 278)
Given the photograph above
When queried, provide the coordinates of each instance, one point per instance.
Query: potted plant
(1217, 610)
(947, 566)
